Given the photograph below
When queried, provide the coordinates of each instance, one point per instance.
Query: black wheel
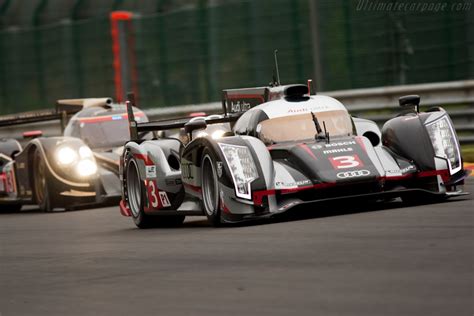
(136, 198)
(210, 189)
(40, 184)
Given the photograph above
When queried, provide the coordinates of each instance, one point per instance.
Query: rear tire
(136, 200)
(210, 189)
(41, 191)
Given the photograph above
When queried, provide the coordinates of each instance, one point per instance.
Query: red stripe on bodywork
(306, 148)
(193, 187)
(258, 195)
(360, 141)
(145, 158)
(246, 96)
(106, 118)
(292, 190)
(124, 210)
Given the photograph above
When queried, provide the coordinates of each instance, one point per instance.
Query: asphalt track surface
(360, 260)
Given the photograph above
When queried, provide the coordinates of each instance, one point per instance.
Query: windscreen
(302, 127)
(104, 134)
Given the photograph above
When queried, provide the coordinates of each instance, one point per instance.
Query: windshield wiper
(320, 134)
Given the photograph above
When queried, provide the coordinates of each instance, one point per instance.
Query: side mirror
(32, 134)
(193, 125)
(410, 101)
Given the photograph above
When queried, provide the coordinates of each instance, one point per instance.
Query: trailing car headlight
(85, 152)
(66, 156)
(242, 167)
(444, 142)
(86, 168)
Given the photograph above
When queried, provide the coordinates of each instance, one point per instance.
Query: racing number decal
(153, 194)
(345, 162)
(157, 199)
(164, 199)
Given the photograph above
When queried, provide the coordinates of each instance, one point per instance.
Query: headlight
(201, 134)
(444, 142)
(85, 152)
(218, 134)
(242, 168)
(86, 168)
(66, 156)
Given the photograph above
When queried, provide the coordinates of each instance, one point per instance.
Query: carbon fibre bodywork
(253, 176)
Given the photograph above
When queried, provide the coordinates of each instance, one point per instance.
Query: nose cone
(340, 161)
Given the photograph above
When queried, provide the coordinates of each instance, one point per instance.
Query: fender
(158, 166)
(369, 129)
(192, 156)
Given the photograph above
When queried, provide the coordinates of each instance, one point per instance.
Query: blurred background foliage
(188, 51)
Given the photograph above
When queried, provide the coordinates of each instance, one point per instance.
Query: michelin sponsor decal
(150, 172)
(296, 184)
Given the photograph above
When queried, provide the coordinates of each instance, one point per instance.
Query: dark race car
(77, 169)
(277, 147)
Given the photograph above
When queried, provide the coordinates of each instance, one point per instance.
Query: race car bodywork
(77, 169)
(278, 147)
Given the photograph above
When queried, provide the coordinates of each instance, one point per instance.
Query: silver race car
(277, 147)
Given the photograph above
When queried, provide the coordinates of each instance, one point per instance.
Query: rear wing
(241, 100)
(72, 106)
(29, 117)
(63, 108)
(163, 125)
(235, 102)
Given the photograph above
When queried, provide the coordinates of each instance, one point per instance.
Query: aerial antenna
(326, 133)
(276, 67)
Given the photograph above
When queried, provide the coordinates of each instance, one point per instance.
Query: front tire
(136, 199)
(41, 190)
(210, 189)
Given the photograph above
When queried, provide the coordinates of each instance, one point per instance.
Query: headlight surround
(242, 167)
(444, 142)
(66, 156)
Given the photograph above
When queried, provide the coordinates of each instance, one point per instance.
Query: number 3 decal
(153, 194)
(344, 162)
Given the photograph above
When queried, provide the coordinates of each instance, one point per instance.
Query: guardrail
(377, 104)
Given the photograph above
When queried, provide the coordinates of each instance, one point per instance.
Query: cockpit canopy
(103, 127)
(286, 120)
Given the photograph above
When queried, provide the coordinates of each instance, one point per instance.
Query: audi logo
(352, 174)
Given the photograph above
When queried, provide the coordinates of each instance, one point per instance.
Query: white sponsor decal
(282, 185)
(164, 199)
(404, 170)
(351, 142)
(337, 150)
(150, 172)
(353, 174)
(239, 106)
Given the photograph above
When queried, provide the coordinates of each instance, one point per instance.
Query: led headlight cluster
(444, 142)
(242, 167)
(81, 160)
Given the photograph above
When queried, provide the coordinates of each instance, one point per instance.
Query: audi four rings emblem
(352, 174)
